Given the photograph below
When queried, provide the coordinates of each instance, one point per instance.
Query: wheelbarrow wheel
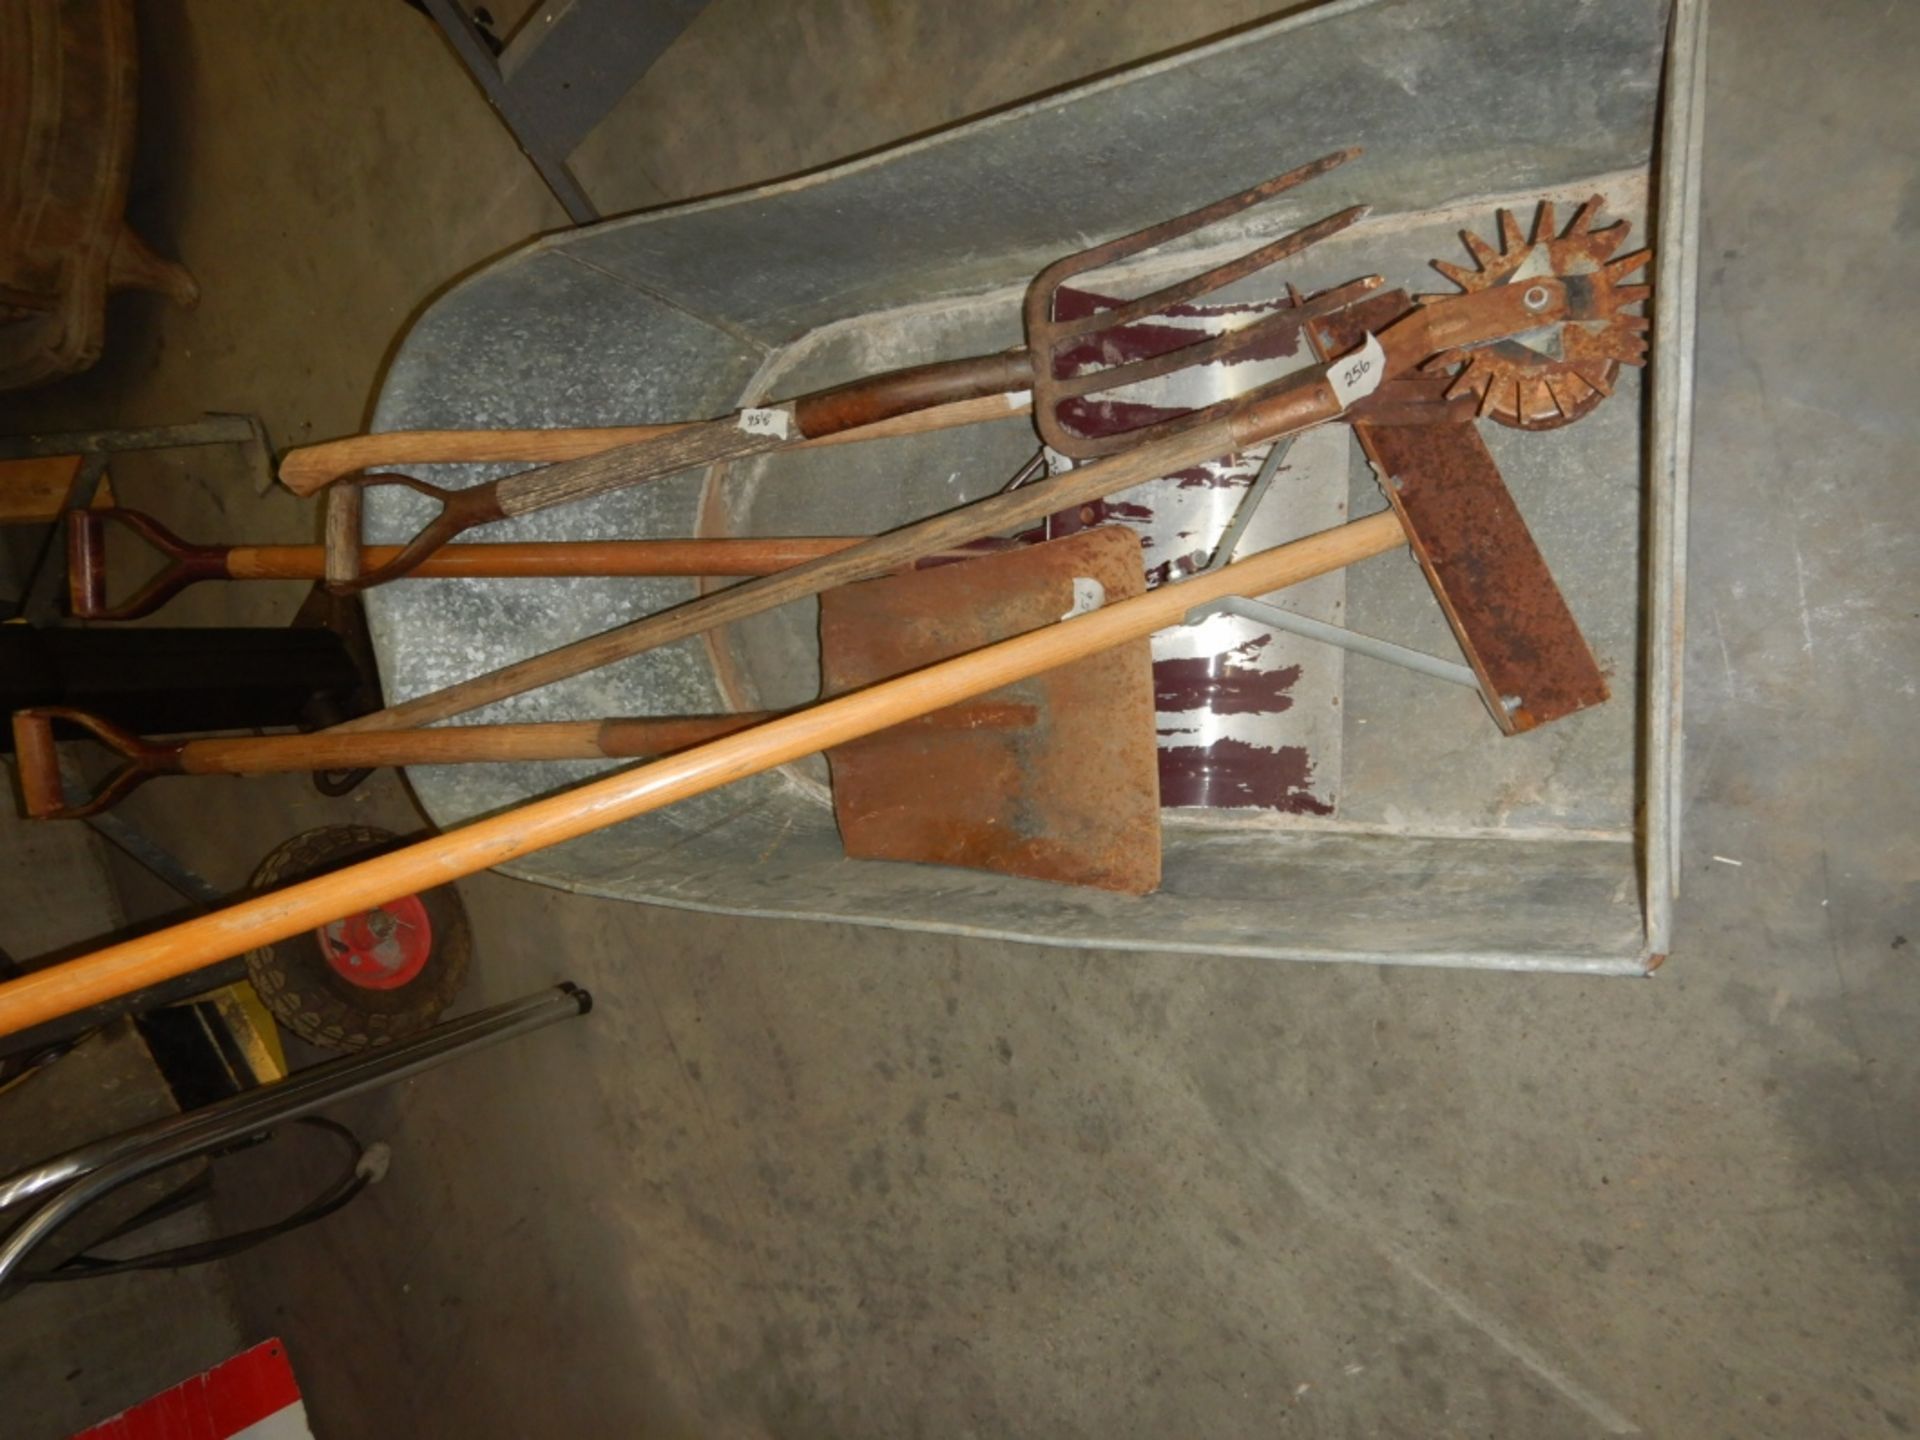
(367, 978)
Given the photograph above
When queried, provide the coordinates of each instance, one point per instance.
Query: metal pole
(96, 1169)
(216, 429)
(1262, 613)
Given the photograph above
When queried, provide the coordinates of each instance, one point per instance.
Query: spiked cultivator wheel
(1547, 377)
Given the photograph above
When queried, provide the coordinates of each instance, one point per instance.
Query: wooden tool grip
(312, 468)
(37, 758)
(680, 448)
(1289, 404)
(460, 744)
(131, 965)
(86, 564)
(531, 559)
(345, 554)
(903, 392)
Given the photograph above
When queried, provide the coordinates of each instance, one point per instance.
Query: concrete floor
(794, 1180)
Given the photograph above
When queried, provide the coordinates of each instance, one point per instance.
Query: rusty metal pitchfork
(755, 429)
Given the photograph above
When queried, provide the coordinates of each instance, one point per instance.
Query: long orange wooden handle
(133, 964)
(313, 467)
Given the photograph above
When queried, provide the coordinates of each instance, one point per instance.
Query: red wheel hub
(382, 948)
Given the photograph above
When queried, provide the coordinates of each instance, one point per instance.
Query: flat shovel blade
(1053, 778)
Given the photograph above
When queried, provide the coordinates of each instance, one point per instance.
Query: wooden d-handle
(42, 795)
(185, 565)
(43, 791)
(460, 511)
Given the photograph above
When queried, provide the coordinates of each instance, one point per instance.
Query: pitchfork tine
(1047, 336)
(1208, 350)
(1210, 280)
(1152, 236)
(1165, 230)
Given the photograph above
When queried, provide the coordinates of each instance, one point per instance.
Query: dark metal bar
(90, 1171)
(219, 429)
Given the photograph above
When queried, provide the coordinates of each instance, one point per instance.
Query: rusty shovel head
(1053, 778)
(1071, 363)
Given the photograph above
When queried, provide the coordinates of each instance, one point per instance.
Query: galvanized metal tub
(1448, 844)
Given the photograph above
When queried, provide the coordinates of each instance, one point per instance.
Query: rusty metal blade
(1071, 797)
(1478, 554)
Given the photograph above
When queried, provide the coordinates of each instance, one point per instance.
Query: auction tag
(772, 421)
(1088, 596)
(1356, 376)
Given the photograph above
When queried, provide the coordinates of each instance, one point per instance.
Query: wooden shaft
(683, 447)
(313, 467)
(1307, 401)
(827, 413)
(869, 401)
(134, 964)
(616, 739)
(458, 744)
(526, 559)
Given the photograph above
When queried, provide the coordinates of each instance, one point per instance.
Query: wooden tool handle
(311, 468)
(863, 403)
(1293, 404)
(131, 965)
(842, 410)
(460, 744)
(345, 553)
(683, 447)
(722, 557)
(43, 788)
(36, 760)
(44, 793)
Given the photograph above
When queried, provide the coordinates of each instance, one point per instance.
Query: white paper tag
(772, 421)
(1356, 376)
(1088, 595)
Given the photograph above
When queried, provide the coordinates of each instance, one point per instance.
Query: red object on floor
(253, 1395)
(382, 948)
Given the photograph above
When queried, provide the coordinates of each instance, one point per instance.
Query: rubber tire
(323, 1007)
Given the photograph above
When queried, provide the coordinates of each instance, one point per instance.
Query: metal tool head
(1054, 777)
(1548, 377)
(1069, 362)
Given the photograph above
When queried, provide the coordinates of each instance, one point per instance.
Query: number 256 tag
(1358, 375)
